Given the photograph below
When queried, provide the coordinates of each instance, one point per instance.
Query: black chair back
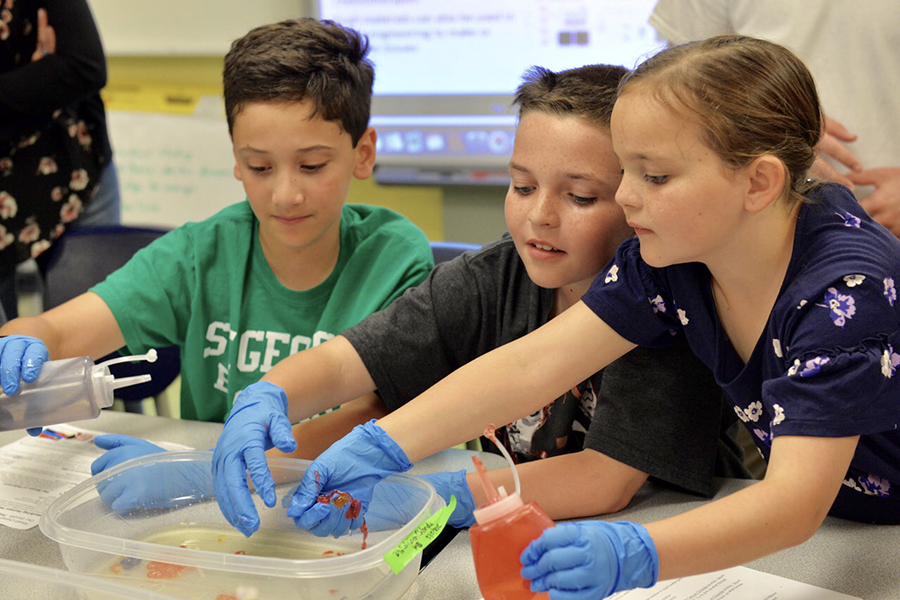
(84, 257)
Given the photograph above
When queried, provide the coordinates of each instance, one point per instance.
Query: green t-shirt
(208, 288)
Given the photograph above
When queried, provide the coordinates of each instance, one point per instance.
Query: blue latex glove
(258, 422)
(393, 505)
(585, 560)
(353, 464)
(21, 359)
(453, 483)
(150, 486)
(120, 448)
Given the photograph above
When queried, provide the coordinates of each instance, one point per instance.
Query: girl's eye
(312, 168)
(583, 200)
(257, 169)
(656, 179)
(524, 190)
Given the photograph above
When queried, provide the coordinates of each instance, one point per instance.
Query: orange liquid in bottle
(497, 546)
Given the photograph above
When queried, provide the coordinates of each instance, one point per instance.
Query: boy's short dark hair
(302, 59)
(588, 92)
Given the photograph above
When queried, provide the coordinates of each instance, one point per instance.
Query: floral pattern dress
(53, 140)
(826, 364)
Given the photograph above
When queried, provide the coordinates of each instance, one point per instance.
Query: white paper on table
(35, 471)
(737, 583)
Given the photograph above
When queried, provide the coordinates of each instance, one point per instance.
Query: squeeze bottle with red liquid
(504, 528)
(70, 389)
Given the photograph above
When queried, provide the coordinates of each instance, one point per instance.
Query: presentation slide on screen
(433, 47)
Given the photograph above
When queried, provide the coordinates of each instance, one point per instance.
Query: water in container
(504, 528)
(70, 389)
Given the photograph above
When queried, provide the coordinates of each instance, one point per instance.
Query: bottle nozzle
(488, 485)
(499, 502)
(150, 356)
(490, 433)
(121, 382)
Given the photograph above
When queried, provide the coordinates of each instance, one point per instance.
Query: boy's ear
(237, 169)
(766, 178)
(365, 154)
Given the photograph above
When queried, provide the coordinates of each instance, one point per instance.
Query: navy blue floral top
(827, 362)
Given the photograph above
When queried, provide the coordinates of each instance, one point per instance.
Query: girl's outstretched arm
(501, 386)
(598, 558)
(783, 510)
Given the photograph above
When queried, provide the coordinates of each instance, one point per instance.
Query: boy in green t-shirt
(285, 270)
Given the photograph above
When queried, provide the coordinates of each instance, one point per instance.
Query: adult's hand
(831, 145)
(46, 37)
(883, 204)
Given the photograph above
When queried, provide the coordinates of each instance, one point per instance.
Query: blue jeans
(105, 207)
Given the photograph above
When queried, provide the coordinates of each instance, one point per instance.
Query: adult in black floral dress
(53, 140)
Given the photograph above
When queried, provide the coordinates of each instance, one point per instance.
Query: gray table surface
(859, 560)
(862, 561)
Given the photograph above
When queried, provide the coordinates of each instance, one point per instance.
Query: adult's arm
(74, 71)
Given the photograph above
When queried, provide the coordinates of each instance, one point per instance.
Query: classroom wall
(170, 138)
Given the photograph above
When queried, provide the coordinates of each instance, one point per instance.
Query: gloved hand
(453, 483)
(149, 486)
(21, 358)
(354, 465)
(258, 422)
(120, 448)
(590, 559)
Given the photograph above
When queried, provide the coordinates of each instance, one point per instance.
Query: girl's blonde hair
(752, 97)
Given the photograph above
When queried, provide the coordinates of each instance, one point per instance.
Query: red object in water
(339, 499)
(161, 570)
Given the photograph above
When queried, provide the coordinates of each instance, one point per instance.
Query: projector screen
(446, 72)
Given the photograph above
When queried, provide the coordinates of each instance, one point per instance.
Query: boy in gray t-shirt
(564, 226)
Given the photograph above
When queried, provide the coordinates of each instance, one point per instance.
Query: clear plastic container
(26, 582)
(190, 551)
(70, 389)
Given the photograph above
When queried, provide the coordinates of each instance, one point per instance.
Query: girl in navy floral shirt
(784, 287)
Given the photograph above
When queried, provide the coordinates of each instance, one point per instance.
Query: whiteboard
(195, 27)
(172, 168)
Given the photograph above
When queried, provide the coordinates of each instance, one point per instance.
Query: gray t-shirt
(656, 410)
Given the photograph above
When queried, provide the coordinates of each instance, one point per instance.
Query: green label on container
(420, 537)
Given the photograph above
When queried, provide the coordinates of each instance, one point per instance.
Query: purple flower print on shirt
(764, 436)
(813, 366)
(751, 413)
(659, 306)
(889, 362)
(850, 220)
(612, 275)
(842, 306)
(779, 415)
(890, 292)
(874, 485)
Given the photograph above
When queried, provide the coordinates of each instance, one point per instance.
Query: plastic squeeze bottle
(71, 389)
(504, 528)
